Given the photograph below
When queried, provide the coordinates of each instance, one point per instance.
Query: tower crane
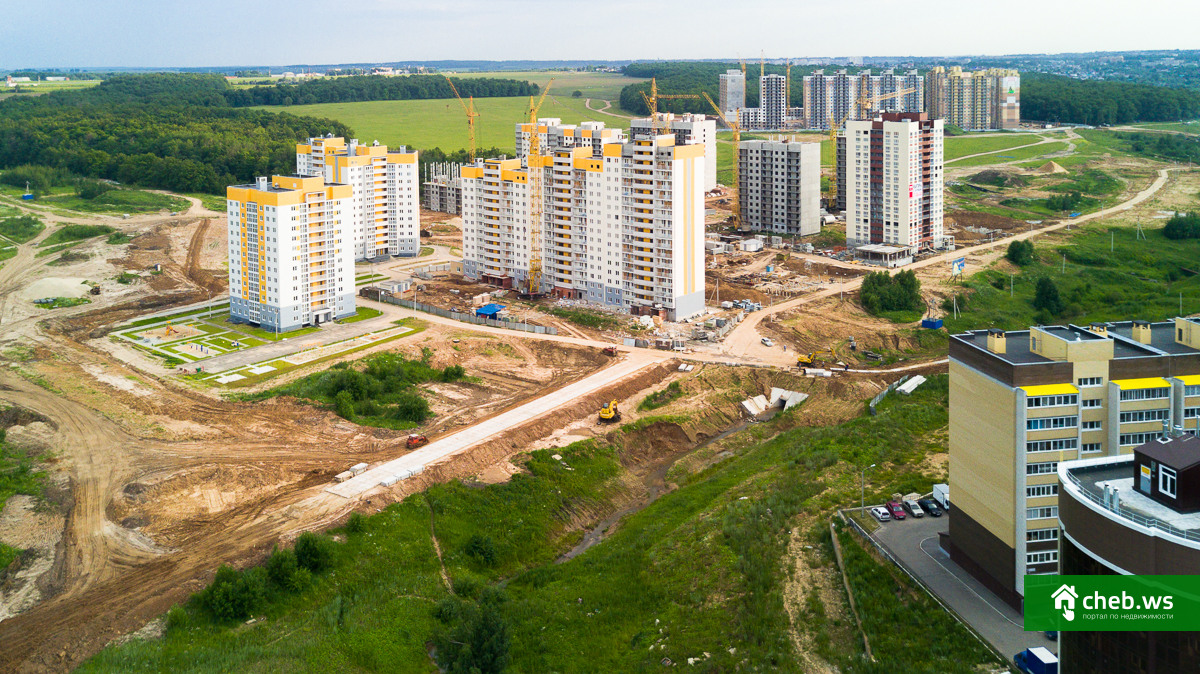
(471, 115)
(736, 126)
(534, 175)
(659, 125)
(864, 103)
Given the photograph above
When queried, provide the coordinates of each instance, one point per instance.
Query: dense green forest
(376, 88)
(1063, 99)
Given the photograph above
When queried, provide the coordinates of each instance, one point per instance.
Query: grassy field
(117, 201)
(606, 86)
(380, 601)
(70, 233)
(1019, 153)
(962, 146)
(21, 228)
(1182, 127)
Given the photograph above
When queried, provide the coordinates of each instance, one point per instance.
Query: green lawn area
(72, 233)
(118, 201)
(961, 146)
(362, 314)
(7, 252)
(222, 319)
(213, 202)
(20, 229)
(1184, 127)
(1019, 153)
(216, 310)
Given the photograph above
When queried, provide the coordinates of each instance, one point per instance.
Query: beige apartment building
(1023, 401)
(981, 100)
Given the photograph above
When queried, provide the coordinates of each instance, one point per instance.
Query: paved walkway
(459, 442)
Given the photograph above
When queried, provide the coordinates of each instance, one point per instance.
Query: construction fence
(380, 296)
(882, 394)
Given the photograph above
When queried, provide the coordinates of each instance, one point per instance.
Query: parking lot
(914, 542)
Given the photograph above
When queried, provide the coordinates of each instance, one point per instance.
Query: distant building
(554, 135)
(291, 262)
(780, 188)
(689, 129)
(983, 100)
(772, 98)
(385, 213)
(830, 99)
(442, 189)
(893, 181)
(732, 92)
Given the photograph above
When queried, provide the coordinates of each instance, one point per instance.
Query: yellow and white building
(290, 257)
(623, 228)
(1022, 401)
(384, 210)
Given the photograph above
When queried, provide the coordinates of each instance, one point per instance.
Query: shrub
(882, 292)
(356, 524)
(1046, 297)
(1183, 226)
(453, 373)
(314, 552)
(90, 189)
(478, 642)
(233, 595)
(343, 404)
(482, 549)
(285, 573)
(1020, 253)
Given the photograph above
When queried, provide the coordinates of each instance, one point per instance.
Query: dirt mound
(1050, 167)
(976, 219)
(998, 179)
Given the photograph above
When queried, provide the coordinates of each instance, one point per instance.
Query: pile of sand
(1050, 167)
(55, 287)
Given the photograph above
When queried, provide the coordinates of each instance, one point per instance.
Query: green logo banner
(1112, 603)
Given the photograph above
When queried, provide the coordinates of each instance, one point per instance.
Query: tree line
(1057, 98)
(376, 88)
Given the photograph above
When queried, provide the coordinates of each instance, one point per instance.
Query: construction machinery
(657, 124)
(610, 350)
(416, 440)
(535, 163)
(865, 105)
(609, 414)
(736, 127)
(804, 360)
(471, 115)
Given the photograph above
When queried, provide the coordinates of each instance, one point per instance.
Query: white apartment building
(893, 177)
(833, 98)
(554, 135)
(385, 213)
(689, 129)
(291, 261)
(732, 92)
(772, 99)
(625, 229)
(780, 187)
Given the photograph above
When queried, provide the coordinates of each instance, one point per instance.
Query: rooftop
(1162, 336)
(1175, 452)
(1087, 478)
(1121, 334)
(1016, 346)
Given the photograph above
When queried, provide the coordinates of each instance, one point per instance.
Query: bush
(659, 398)
(1020, 253)
(356, 524)
(1183, 226)
(343, 404)
(90, 189)
(40, 178)
(1046, 297)
(479, 641)
(233, 595)
(314, 552)
(21, 228)
(577, 94)
(882, 292)
(482, 549)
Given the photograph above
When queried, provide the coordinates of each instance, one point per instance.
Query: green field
(117, 201)
(71, 233)
(1020, 153)
(1182, 127)
(605, 86)
(962, 146)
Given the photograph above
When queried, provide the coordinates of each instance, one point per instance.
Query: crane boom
(471, 115)
(657, 124)
(736, 127)
(534, 174)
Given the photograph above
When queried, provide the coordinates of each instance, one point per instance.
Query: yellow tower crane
(471, 115)
(735, 126)
(534, 175)
(865, 104)
(659, 125)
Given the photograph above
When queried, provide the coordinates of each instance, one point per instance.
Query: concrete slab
(261, 369)
(229, 378)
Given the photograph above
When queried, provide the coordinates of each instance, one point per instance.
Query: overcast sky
(164, 33)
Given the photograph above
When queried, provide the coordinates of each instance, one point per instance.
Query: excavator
(804, 360)
(609, 413)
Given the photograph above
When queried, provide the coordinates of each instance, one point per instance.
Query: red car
(896, 510)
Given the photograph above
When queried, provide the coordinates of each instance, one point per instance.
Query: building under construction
(442, 189)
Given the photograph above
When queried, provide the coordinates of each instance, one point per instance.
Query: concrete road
(915, 543)
(469, 437)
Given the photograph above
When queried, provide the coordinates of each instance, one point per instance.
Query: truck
(1036, 660)
(941, 494)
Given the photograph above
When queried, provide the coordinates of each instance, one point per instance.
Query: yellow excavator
(804, 360)
(609, 413)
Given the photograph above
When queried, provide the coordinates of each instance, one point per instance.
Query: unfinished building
(780, 186)
(442, 189)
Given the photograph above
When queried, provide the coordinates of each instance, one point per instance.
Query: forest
(376, 88)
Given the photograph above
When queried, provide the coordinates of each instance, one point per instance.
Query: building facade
(1108, 526)
(1022, 402)
(554, 135)
(780, 187)
(982, 100)
(384, 210)
(291, 260)
(442, 189)
(732, 92)
(772, 99)
(893, 181)
(833, 99)
(624, 229)
(689, 129)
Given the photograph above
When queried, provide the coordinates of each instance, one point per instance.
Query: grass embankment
(118, 201)
(17, 476)
(73, 233)
(360, 314)
(955, 147)
(1025, 152)
(21, 228)
(699, 570)
(586, 317)
(1136, 279)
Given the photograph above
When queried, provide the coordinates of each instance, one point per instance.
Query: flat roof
(881, 248)
(1016, 348)
(1162, 336)
(1117, 472)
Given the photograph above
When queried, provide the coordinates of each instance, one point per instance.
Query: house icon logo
(1064, 600)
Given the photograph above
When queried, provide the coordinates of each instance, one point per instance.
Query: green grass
(1038, 206)
(1136, 280)
(118, 201)
(382, 600)
(62, 302)
(8, 555)
(1089, 181)
(21, 228)
(223, 320)
(72, 233)
(1193, 128)
(1016, 154)
(361, 314)
(17, 476)
(661, 398)
(118, 238)
(425, 250)
(962, 146)
(586, 317)
(7, 253)
(212, 202)
(216, 311)
(593, 85)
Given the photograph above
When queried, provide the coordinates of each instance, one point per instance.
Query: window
(1191, 412)
(1090, 447)
(1166, 481)
(1041, 557)
(1139, 438)
(1052, 445)
(1091, 381)
(1191, 390)
(1145, 394)
(1046, 423)
(1053, 401)
(1092, 425)
(1042, 513)
(1092, 402)
(1041, 535)
(1037, 490)
(1044, 468)
(1143, 415)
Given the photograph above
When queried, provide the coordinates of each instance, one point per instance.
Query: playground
(183, 338)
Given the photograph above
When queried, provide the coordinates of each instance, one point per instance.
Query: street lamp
(862, 496)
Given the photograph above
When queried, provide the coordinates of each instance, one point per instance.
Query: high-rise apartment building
(1022, 402)
(976, 101)
(732, 92)
(893, 178)
(830, 99)
(624, 229)
(689, 129)
(291, 261)
(442, 188)
(554, 135)
(384, 210)
(772, 99)
(780, 187)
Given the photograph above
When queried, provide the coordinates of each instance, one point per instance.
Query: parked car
(1052, 635)
(1036, 660)
(896, 510)
(930, 506)
(913, 508)
(767, 341)
(881, 513)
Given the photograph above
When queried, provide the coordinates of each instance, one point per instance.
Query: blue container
(931, 323)
(27, 197)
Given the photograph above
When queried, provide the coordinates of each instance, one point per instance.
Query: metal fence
(374, 294)
(891, 387)
(1148, 522)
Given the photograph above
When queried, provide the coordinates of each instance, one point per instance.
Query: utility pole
(862, 496)
(1010, 285)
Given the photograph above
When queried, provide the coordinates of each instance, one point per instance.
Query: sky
(196, 33)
